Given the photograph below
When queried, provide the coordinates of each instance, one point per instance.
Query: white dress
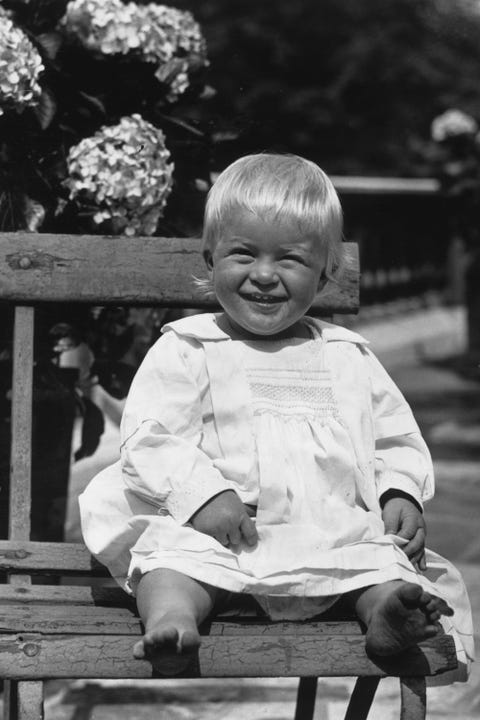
(320, 533)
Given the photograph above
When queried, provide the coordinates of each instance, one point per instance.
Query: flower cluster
(20, 67)
(454, 155)
(158, 34)
(124, 172)
(453, 123)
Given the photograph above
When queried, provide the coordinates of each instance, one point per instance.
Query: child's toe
(139, 650)
(411, 595)
(189, 641)
(432, 629)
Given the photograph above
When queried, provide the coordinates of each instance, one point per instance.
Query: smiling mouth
(263, 299)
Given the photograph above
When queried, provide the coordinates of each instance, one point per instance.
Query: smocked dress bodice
(306, 464)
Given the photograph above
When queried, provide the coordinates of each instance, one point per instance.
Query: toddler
(267, 452)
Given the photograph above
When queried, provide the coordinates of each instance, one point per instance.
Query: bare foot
(169, 643)
(402, 615)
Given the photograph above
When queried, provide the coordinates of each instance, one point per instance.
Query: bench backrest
(42, 268)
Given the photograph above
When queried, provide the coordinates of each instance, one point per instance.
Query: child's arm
(403, 466)
(162, 431)
(402, 459)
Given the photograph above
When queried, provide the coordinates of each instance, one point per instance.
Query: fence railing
(404, 234)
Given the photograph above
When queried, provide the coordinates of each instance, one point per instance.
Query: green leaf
(50, 43)
(93, 101)
(182, 123)
(46, 108)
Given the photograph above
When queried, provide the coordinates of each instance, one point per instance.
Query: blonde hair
(274, 185)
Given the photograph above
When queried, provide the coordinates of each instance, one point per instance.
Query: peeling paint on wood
(104, 656)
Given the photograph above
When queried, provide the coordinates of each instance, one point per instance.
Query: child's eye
(241, 251)
(295, 258)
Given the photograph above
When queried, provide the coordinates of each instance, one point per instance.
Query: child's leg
(171, 606)
(397, 615)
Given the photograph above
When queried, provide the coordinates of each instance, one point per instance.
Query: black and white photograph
(239, 359)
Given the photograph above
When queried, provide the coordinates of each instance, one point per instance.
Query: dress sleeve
(161, 432)
(402, 459)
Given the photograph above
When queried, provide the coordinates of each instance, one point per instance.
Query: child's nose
(264, 272)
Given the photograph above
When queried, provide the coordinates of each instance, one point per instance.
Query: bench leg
(361, 698)
(306, 694)
(413, 698)
(23, 700)
(10, 710)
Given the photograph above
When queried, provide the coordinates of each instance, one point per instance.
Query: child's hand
(403, 518)
(226, 519)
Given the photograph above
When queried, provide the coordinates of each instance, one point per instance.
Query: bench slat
(247, 626)
(40, 267)
(83, 619)
(48, 557)
(106, 656)
(64, 619)
(63, 594)
(66, 601)
(21, 440)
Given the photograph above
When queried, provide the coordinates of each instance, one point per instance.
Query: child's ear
(208, 257)
(322, 282)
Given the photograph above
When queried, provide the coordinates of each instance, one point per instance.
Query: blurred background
(115, 118)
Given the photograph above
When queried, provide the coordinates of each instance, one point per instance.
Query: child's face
(265, 274)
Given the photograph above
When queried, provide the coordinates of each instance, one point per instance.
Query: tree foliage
(353, 85)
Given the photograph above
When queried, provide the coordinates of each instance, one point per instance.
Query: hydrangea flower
(167, 33)
(158, 34)
(20, 68)
(451, 124)
(124, 172)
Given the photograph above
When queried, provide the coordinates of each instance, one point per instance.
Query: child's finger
(409, 527)
(222, 538)
(416, 544)
(414, 547)
(418, 561)
(235, 536)
(249, 530)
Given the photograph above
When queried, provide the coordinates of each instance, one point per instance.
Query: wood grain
(47, 556)
(64, 594)
(65, 618)
(21, 439)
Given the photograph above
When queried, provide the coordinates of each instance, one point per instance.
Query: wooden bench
(51, 628)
